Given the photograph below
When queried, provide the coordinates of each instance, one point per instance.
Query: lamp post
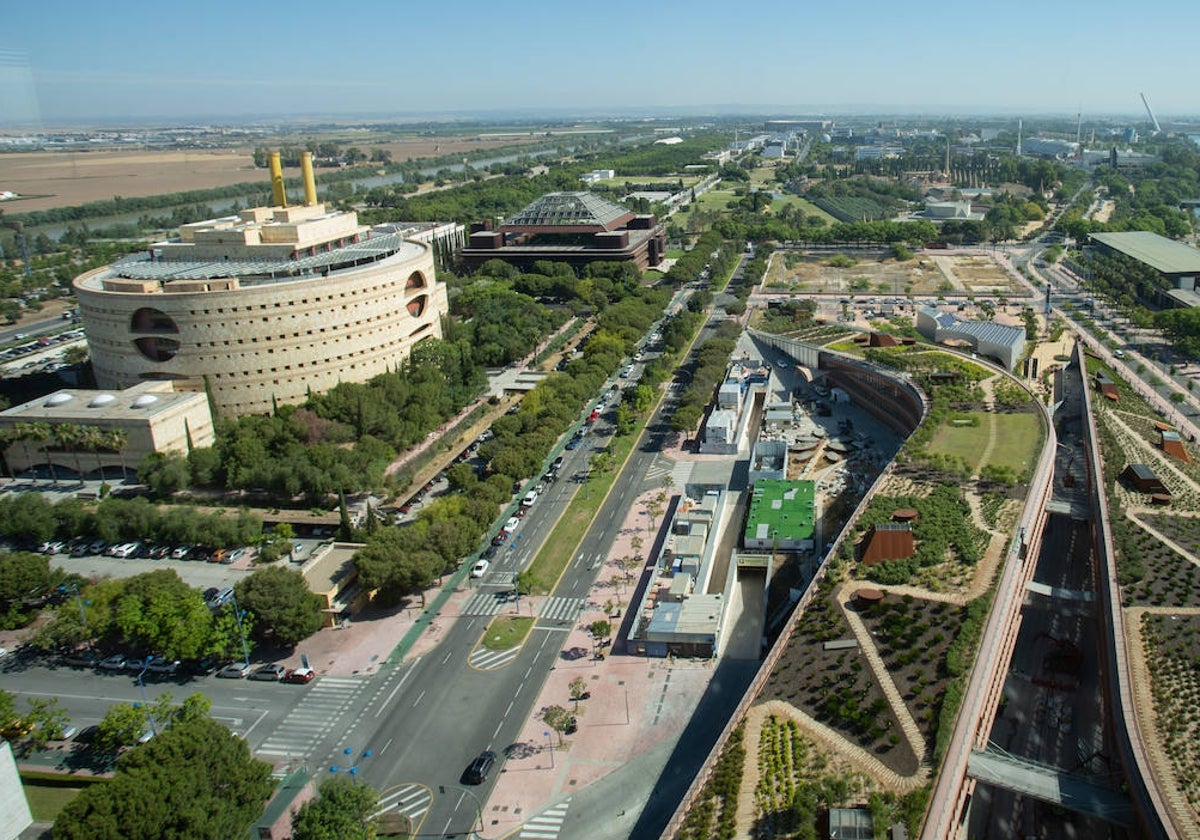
(142, 687)
(352, 770)
(74, 589)
(550, 746)
(237, 614)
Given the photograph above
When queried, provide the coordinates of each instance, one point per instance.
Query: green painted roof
(1158, 252)
(781, 510)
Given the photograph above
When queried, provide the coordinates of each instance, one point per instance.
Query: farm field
(66, 179)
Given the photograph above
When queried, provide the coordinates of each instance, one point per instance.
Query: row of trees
(74, 438)
(28, 518)
(158, 613)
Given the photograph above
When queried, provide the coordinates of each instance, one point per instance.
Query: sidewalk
(635, 703)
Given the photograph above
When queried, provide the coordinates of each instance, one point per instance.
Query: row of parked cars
(85, 547)
(162, 667)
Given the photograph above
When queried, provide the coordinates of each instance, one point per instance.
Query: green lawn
(46, 800)
(1018, 439)
(808, 208)
(507, 631)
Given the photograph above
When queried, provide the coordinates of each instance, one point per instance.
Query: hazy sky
(80, 60)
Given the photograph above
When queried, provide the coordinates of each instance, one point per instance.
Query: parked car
(97, 547)
(234, 670)
(220, 597)
(116, 662)
(81, 659)
(529, 499)
(299, 675)
(480, 568)
(512, 524)
(164, 667)
(181, 552)
(269, 673)
(479, 768)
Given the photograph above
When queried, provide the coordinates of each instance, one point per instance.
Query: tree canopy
(194, 780)
(283, 607)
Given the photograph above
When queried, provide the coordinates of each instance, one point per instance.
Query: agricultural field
(961, 274)
(69, 178)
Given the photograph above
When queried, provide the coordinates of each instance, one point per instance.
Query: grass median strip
(505, 632)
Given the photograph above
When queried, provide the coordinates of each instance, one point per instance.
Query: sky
(65, 62)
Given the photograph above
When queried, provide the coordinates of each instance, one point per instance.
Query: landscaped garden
(1172, 650)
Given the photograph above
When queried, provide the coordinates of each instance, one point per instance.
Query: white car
(511, 524)
(479, 569)
(529, 499)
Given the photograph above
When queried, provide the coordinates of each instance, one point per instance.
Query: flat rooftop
(1158, 252)
(781, 509)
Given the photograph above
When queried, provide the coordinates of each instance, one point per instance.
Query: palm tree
(40, 430)
(93, 441)
(115, 439)
(69, 436)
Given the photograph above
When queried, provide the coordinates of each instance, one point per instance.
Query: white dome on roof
(61, 398)
(145, 401)
(101, 400)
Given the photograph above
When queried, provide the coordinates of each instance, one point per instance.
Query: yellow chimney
(310, 185)
(278, 193)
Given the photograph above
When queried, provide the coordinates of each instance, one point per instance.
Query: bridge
(1082, 794)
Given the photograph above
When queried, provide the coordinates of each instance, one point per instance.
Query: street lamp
(550, 746)
(352, 770)
(142, 687)
(237, 614)
(74, 588)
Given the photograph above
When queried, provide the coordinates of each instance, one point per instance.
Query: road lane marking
(420, 697)
(407, 674)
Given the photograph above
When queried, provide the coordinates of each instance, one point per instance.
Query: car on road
(116, 662)
(511, 525)
(234, 670)
(269, 673)
(480, 568)
(299, 675)
(529, 499)
(489, 552)
(479, 768)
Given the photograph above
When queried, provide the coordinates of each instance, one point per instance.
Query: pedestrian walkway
(411, 801)
(661, 467)
(562, 609)
(546, 825)
(486, 602)
(482, 659)
(325, 701)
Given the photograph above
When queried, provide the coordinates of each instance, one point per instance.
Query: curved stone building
(262, 307)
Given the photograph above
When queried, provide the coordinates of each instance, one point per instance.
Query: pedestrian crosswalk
(411, 800)
(482, 659)
(546, 825)
(325, 701)
(487, 602)
(661, 467)
(562, 609)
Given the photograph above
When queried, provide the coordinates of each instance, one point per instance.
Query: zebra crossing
(679, 471)
(562, 609)
(411, 800)
(482, 659)
(546, 825)
(486, 602)
(325, 701)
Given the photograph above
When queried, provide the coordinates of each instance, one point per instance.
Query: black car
(477, 771)
(489, 552)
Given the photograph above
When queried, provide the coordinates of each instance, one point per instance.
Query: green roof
(1158, 252)
(781, 510)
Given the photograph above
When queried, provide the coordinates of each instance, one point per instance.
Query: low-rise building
(781, 516)
(97, 433)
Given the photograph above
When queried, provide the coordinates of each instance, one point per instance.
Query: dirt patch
(69, 178)
(923, 275)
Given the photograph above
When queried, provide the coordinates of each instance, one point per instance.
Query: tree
(579, 691)
(341, 809)
(47, 719)
(600, 629)
(558, 719)
(157, 611)
(195, 779)
(121, 726)
(284, 608)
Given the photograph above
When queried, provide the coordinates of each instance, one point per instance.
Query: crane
(1150, 111)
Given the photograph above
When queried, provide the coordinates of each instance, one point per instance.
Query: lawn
(507, 631)
(1018, 439)
(46, 800)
